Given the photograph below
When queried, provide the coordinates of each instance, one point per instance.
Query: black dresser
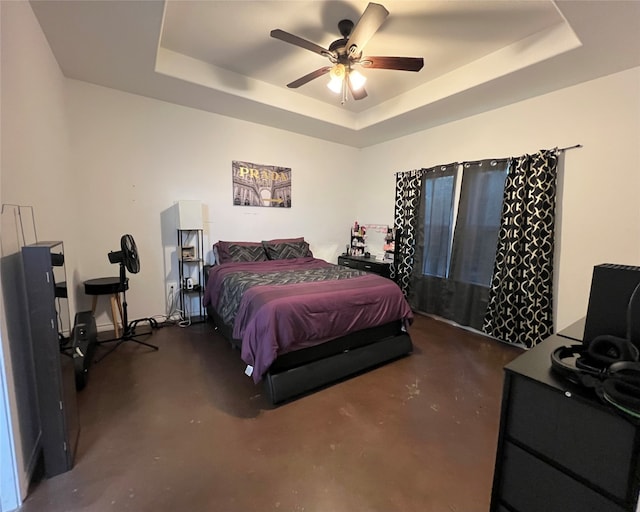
(367, 264)
(560, 449)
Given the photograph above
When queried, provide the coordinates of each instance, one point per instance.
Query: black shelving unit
(190, 270)
(49, 319)
(357, 240)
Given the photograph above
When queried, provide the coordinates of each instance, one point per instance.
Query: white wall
(598, 206)
(34, 171)
(142, 155)
(133, 157)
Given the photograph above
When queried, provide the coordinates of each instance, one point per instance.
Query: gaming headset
(610, 365)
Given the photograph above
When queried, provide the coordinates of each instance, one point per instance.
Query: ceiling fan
(345, 53)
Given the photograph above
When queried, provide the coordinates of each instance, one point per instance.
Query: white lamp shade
(357, 80)
(335, 84)
(337, 74)
(189, 214)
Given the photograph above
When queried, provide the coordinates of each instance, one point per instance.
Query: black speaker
(611, 310)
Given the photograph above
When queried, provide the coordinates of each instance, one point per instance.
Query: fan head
(127, 255)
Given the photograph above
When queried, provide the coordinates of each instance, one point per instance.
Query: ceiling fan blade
(358, 94)
(370, 21)
(298, 41)
(307, 78)
(399, 63)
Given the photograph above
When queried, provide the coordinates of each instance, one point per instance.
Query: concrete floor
(183, 429)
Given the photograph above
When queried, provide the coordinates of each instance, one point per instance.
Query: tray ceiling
(218, 56)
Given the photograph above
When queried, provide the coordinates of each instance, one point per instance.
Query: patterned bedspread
(235, 284)
(283, 305)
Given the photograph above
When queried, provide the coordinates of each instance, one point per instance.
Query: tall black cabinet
(49, 320)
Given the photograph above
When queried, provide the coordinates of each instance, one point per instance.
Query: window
(468, 255)
(438, 191)
(478, 222)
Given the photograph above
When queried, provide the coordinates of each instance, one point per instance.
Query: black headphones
(622, 388)
(605, 350)
(609, 364)
(563, 362)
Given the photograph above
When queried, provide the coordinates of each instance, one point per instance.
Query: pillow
(286, 250)
(283, 240)
(239, 251)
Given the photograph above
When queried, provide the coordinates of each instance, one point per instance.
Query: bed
(302, 323)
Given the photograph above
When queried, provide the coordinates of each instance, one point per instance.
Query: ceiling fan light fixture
(338, 71)
(337, 74)
(357, 80)
(335, 85)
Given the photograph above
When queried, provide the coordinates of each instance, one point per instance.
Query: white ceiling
(218, 56)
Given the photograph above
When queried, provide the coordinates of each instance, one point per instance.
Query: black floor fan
(127, 258)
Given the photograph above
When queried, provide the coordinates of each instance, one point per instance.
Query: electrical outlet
(172, 289)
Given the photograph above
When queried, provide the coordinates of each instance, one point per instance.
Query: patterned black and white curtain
(405, 221)
(520, 309)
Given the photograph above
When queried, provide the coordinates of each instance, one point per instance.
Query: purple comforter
(272, 319)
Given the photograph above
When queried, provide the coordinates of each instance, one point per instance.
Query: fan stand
(128, 328)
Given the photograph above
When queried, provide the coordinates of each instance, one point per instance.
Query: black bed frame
(304, 370)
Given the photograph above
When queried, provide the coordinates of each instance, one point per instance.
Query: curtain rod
(569, 147)
(558, 150)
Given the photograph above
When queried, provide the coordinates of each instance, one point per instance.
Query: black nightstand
(367, 264)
